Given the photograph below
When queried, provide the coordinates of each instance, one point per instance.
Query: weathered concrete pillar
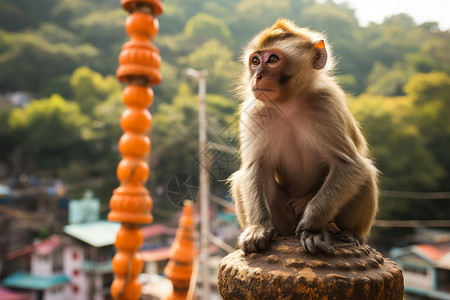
(286, 271)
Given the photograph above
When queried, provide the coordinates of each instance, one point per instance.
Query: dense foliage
(65, 54)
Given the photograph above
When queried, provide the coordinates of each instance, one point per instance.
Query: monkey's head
(282, 60)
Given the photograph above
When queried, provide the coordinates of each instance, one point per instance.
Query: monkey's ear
(320, 58)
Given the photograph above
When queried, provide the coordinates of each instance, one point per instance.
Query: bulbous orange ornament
(122, 266)
(129, 239)
(139, 23)
(136, 119)
(132, 144)
(132, 291)
(137, 95)
(132, 170)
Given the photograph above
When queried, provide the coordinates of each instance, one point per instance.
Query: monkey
(304, 160)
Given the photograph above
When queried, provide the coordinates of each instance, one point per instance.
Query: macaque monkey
(304, 159)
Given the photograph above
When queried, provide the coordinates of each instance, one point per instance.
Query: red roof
(48, 245)
(155, 254)
(42, 247)
(432, 252)
(20, 252)
(6, 294)
(157, 229)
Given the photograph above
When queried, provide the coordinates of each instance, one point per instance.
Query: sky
(420, 10)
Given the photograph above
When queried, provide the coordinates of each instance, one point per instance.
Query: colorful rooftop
(97, 234)
(435, 254)
(22, 280)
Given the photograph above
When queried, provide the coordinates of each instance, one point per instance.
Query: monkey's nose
(259, 77)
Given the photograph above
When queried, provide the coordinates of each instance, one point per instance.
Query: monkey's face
(266, 74)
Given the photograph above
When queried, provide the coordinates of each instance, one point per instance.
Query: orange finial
(182, 254)
(139, 63)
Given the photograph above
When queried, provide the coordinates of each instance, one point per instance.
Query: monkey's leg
(357, 216)
(341, 185)
(259, 230)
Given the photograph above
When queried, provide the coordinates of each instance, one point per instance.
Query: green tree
(167, 89)
(106, 124)
(398, 147)
(400, 152)
(55, 34)
(251, 16)
(20, 14)
(28, 62)
(339, 24)
(175, 133)
(91, 88)
(388, 81)
(203, 27)
(430, 93)
(9, 140)
(53, 131)
(218, 60)
(65, 11)
(104, 29)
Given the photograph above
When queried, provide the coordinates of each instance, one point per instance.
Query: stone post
(286, 271)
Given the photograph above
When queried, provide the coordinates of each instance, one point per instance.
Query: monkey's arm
(252, 198)
(343, 148)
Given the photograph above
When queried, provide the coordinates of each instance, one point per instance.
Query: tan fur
(304, 160)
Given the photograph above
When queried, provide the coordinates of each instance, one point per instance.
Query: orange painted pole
(131, 204)
(182, 254)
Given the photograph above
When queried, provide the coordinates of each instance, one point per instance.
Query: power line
(415, 195)
(412, 223)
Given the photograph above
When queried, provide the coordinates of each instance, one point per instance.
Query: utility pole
(204, 176)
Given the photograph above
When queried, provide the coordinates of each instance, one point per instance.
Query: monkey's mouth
(262, 90)
(263, 94)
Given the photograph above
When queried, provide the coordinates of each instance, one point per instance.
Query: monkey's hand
(255, 238)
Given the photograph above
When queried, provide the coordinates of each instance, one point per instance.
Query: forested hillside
(64, 53)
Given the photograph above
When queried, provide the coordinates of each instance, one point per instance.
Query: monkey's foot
(315, 241)
(255, 238)
(348, 237)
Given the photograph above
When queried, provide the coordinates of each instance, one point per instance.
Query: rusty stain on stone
(308, 274)
(320, 264)
(336, 276)
(272, 259)
(343, 266)
(284, 249)
(361, 265)
(294, 263)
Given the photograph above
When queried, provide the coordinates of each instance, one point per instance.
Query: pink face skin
(266, 74)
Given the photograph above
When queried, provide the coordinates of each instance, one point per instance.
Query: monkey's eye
(273, 59)
(255, 61)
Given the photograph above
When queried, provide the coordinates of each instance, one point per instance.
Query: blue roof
(4, 190)
(24, 280)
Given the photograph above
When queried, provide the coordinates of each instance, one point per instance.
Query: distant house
(78, 266)
(46, 278)
(426, 269)
(84, 210)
